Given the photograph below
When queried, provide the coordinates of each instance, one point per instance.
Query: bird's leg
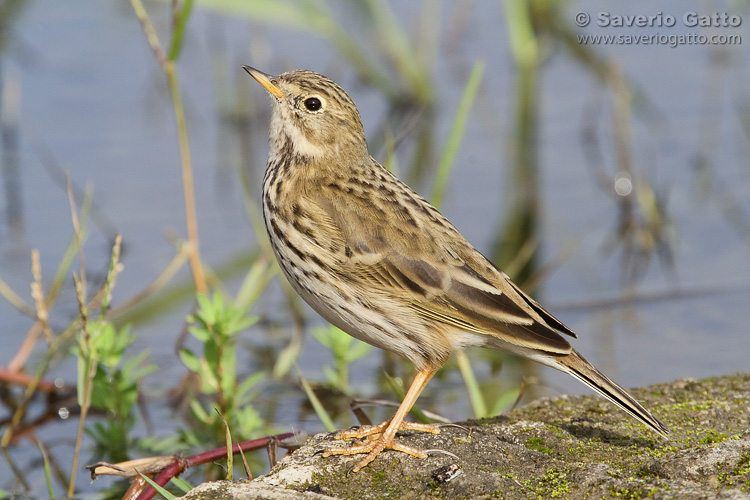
(383, 434)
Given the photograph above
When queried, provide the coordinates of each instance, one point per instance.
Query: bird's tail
(576, 365)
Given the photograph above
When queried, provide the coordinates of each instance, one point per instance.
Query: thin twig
(187, 179)
(166, 275)
(84, 394)
(167, 64)
(15, 300)
(148, 29)
(179, 466)
(27, 347)
(16, 377)
(78, 235)
(37, 293)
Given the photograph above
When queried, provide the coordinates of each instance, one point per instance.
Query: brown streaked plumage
(378, 261)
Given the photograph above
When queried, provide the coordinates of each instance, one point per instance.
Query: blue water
(93, 96)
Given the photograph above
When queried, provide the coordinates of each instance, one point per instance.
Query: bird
(378, 261)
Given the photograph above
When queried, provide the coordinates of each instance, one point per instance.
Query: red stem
(182, 464)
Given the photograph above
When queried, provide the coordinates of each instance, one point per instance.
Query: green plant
(108, 379)
(89, 335)
(115, 389)
(217, 325)
(345, 349)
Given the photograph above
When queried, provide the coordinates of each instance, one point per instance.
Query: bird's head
(312, 115)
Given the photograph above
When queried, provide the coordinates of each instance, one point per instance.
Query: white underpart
(356, 319)
(302, 145)
(287, 125)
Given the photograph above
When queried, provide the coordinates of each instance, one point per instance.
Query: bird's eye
(313, 104)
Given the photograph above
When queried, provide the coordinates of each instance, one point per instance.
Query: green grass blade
(475, 395)
(47, 473)
(523, 41)
(181, 484)
(63, 269)
(160, 489)
(400, 49)
(230, 456)
(311, 16)
(505, 401)
(317, 405)
(456, 134)
(179, 30)
(256, 280)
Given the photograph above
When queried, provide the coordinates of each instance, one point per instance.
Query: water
(93, 97)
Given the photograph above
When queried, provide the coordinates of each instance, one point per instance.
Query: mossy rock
(568, 447)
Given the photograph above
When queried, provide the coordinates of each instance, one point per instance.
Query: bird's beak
(265, 80)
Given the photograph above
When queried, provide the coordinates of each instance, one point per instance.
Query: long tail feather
(576, 365)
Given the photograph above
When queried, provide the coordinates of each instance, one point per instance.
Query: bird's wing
(433, 269)
(458, 295)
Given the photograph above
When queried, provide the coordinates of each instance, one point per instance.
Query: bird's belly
(378, 320)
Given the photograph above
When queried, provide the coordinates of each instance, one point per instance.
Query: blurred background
(609, 178)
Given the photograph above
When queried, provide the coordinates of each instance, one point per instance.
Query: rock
(571, 447)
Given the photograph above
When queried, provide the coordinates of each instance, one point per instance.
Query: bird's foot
(375, 430)
(377, 440)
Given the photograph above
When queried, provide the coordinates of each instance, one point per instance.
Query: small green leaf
(505, 401)
(200, 412)
(255, 282)
(323, 335)
(286, 359)
(181, 484)
(136, 366)
(211, 353)
(101, 393)
(249, 421)
(199, 331)
(332, 376)
(160, 489)
(190, 360)
(358, 350)
(244, 388)
(228, 379)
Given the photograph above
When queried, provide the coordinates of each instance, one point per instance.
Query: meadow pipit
(378, 261)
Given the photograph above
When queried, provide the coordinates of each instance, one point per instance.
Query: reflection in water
(10, 112)
(10, 104)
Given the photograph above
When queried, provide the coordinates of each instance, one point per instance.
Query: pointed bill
(265, 80)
